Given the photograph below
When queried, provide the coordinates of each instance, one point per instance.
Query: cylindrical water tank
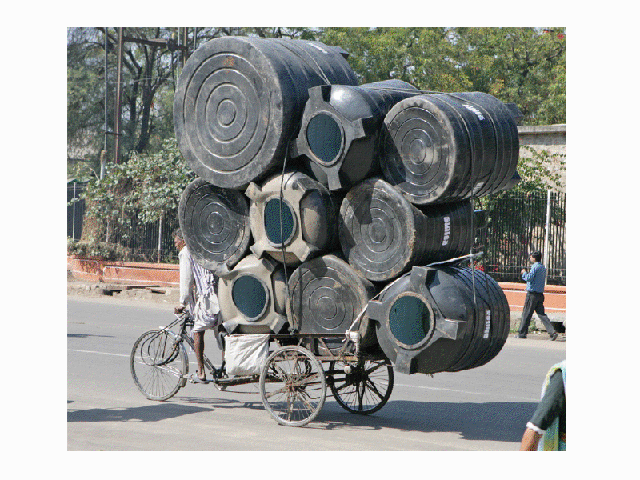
(439, 319)
(339, 133)
(383, 235)
(326, 295)
(252, 297)
(215, 225)
(445, 147)
(295, 227)
(239, 101)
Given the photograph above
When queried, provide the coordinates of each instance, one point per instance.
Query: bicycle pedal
(193, 379)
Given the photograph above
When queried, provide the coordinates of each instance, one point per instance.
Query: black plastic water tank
(300, 225)
(326, 295)
(252, 296)
(339, 133)
(445, 147)
(215, 225)
(239, 101)
(383, 235)
(438, 319)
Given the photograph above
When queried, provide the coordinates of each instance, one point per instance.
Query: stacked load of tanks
(322, 205)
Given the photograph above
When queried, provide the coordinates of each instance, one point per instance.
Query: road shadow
(148, 413)
(493, 421)
(158, 411)
(223, 402)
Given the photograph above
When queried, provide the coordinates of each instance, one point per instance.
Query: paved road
(481, 409)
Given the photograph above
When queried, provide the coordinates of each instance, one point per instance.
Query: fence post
(546, 231)
(160, 237)
(73, 221)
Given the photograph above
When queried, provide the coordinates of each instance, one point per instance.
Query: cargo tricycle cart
(293, 381)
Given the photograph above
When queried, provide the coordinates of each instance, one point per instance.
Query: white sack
(246, 354)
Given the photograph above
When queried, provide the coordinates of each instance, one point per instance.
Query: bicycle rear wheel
(362, 388)
(158, 366)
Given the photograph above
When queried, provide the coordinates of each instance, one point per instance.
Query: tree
(147, 70)
(148, 185)
(526, 66)
(85, 102)
(420, 56)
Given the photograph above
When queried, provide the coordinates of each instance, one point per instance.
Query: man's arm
(527, 277)
(548, 409)
(186, 280)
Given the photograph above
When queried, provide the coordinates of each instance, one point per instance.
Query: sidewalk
(559, 321)
(164, 295)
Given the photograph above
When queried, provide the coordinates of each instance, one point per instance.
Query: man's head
(535, 257)
(178, 240)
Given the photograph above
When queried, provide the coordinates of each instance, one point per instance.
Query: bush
(101, 250)
(134, 194)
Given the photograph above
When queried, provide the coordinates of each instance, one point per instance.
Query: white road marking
(99, 353)
(440, 388)
(462, 391)
(395, 385)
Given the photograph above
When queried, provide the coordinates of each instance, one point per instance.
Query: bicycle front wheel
(158, 365)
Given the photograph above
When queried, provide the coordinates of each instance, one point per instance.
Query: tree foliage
(147, 186)
(540, 170)
(420, 56)
(526, 66)
(147, 70)
(143, 190)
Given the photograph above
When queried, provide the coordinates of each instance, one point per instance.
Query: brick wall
(168, 275)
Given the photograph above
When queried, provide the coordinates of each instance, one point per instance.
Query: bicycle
(159, 362)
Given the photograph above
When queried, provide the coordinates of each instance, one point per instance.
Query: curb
(154, 293)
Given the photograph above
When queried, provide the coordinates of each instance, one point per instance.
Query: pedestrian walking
(547, 428)
(534, 302)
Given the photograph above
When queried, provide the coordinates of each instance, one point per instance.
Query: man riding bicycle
(198, 294)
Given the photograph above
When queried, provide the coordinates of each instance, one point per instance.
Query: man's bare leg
(198, 344)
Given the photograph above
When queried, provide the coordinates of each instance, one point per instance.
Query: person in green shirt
(547, 428)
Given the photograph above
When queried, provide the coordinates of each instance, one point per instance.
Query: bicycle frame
(184, 320)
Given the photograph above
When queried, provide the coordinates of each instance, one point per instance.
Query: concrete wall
(552, 138)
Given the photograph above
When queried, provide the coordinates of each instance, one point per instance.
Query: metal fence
(129, 239)
(75, 210)
(145, 242)
(520, 224)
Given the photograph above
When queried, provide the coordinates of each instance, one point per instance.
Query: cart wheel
(158, 366)
(362, 387)
(293, 386)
